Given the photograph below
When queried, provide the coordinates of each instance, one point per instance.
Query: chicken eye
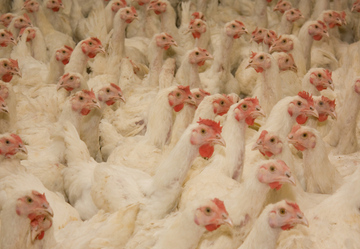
(63, 52)
(284, 4)
(178, 95)
(90, 43)
(197, 96)
(321, 103)
(222, 102)
(244, 106)
(292, 13)
(29, 200)
(287, 60)
(5, 64)
(268, 36)
(32, 4)
(198, 24)
(208, 210)
(44, 219)
(53, 1)
(8, 17)
(164, 38)
(233, 26)
(272, 140)
(158, 4)
(71, 78)
(299, 103)
(261, 57)
(304, 135)
(330, 15)
(107, 90)
(197, 53)
(272, 168)
(21, 20)
(81, 98)
(282, 211)
(2, 35)
(316, 26)
(118, 4)
(284, 41)
(203, 131)
(127, 12)
(260, 32)
(7, 141)
(319, 75)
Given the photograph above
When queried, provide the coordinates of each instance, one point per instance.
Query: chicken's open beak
(249, 65)
(219, 140)
(312, 111)
(333, 115)
(245, 31)
(293, 68)
(4, 108)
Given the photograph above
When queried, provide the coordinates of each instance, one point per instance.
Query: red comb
(220, 205)
(292, 57)
(133, 9)
(16, 137)
(124, 2)
(293, 205)
(272, 32)
(252, 54)
(27, 17)
(331, 102)
(152, 2)
(255, 100)
(69, 48)
(211, 123)
(263, 134)
(192, 22)
(168, 35)
(115, 86)
(27, 1)
(343, 14)
(89, 92)
(96, 40)
(22, 31)
(196, 15)
(185, 89)
(295, 128)
(307, 96)
(328, 73)
(14, 62)
(241, 23)
(254, 32)
(283, 164)
(8, 32)
(41, 196)
(204, 92)
(322, 24)
(65, 75)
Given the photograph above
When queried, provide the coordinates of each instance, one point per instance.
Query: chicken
(191, 222)
(8, 68)
(6, 39)
(56, 69)
(319, 79)
(19, 22)
(283, 215)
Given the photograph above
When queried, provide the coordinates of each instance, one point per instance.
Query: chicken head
(293, 15)
(199, 56)
(5, 19)
(317, 30)
(286, 62)
(356, 6)
(235, 29)
(110, 94)
(6, 38)
(198, 15)
(70, 81)
(157, 6)
(128, 14)
(83, 101)
(199, 95)
(321, 79)
(164, 40)
(258, 35)
(275, 173)
(54, 5)
(11, 144)
(332, 18)
(8, 68)
(325, 107)
(179, 96)
(92, 46)
(30, 6)
(221, 104)
(248, 109)
(118, 4)
(197, 27)
(212, 215)
(268, 144)
(30, 33)
(302, 107)
(270, 37)
(63, 54)
(286, 215)
(142, 2)
(35, 207)
(4, 90)
(259, 61)
(282, 6)
(206, 135)
(22, 21)
(282, 44)
(302, 137)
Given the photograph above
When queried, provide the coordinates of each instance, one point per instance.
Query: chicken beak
(333, 115)
(293, 68)
(256, 146)
(353, 8)
(17, 72)
(101, 50)
(209, 57)
(174, 43)
(59, 85)
(122, 98)
(275, 8)
(13, 41)
(4, 108)
(190, 100)
(149, 8)
(272, 49)
(301, 219)
(228, 221)
(23, 7)
(259, 112)
(301, 16)
(219, 140)
(62, 6)
(326, 33)
(22, 149)
(289, 178)
(331, 85)
(245, 31)
(95, 104)
(249, 65)
(187, 31)
(313, 112)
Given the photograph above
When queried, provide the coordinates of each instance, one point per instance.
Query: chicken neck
(77, 61)
(306, 40)
(42, 22)
(205, 110)
(182, 121)
(190, 73)
(156, 63)
(56, 69)
(285, 26)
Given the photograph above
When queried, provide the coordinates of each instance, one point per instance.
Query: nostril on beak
(311, 108)
(288, 174)
(94, 101)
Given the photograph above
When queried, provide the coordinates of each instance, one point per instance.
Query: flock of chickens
(165, 124)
